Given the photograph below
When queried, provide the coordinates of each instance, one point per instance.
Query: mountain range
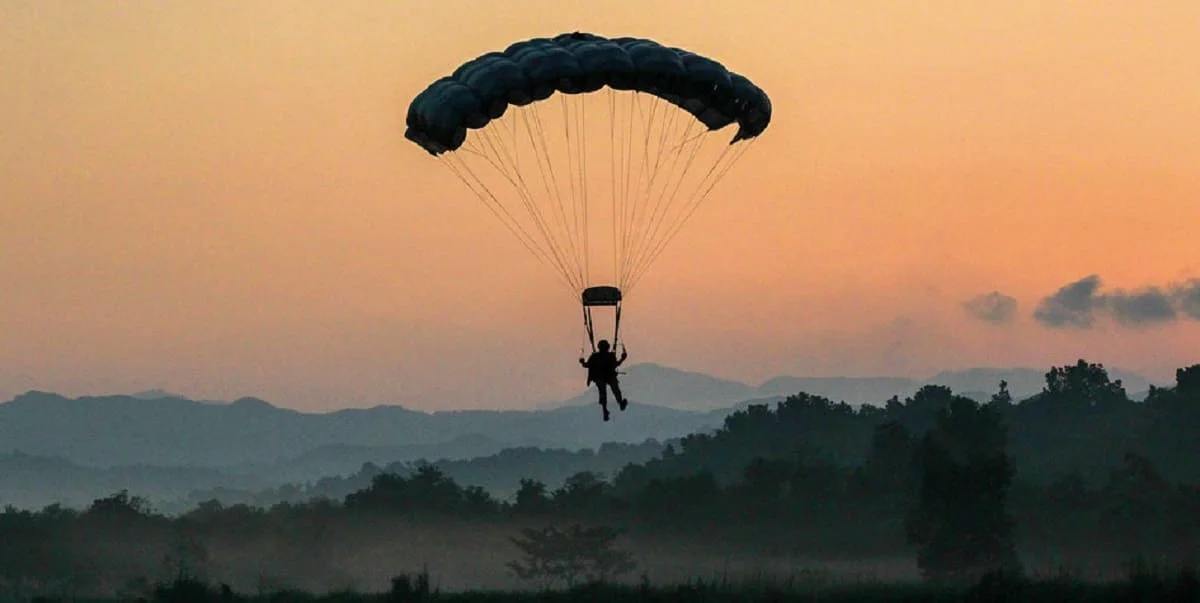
(685, 390)
(140, 438)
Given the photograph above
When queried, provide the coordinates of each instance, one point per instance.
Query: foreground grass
(1181, 586)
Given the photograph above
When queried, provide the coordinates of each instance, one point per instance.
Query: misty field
(1142, 584)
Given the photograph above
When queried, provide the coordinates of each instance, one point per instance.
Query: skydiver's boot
(605, 412)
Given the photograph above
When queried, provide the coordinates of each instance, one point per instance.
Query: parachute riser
(601, 296)
(617, 327)
(589, 326)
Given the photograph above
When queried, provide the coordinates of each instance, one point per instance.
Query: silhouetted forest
(1076, 480)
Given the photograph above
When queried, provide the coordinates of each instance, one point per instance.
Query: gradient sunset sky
(215, 198)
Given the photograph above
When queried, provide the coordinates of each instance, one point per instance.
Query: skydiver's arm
(624, 355)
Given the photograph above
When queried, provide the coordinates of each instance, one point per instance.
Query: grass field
(1142, 585)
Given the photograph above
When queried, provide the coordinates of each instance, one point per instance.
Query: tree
(888, 471)
(765, 479)
(531, 497)
(552, 555)
(681, 503)
(919, 413)
(1084, 385)
(1002, 398)
(961, 524)
(1187, 381)
(581, 493)
(1173, 426)
(186, 558)
(120, 507)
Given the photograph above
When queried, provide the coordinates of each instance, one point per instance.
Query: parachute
(611, 168)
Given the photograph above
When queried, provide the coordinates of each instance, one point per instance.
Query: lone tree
(961, 524)
(553, 555)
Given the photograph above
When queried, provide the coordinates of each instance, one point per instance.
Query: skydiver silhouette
(602, 369)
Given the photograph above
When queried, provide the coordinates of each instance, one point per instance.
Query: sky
(216, 198)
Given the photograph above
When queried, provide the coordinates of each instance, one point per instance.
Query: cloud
(1146, 306)
(1187, 298)
(994, 307)
(1076, 304)
(1072, 305)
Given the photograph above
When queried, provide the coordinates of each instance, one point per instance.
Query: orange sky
(215, 198)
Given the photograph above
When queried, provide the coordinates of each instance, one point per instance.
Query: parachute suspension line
(498, 209)
(652, 252)
(572, 233)
(649, 228)
(548, 156)
(627, 166)
(689, 208)
(612, 162)
(696, 203)
(643, 170)
(462, 170)
(622, 109)
(499, 159)
(542, 154)
(572, 229)
(512, 159)
(646, 214)
(530, 207)
(471, 148)
(583, 187)
(653, 163)
(637, 119)
(526, 198)
(641, 227)
(697, 144)
(576, 142)
(618, 132)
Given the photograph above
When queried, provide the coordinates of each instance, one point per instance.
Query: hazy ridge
(164, 445)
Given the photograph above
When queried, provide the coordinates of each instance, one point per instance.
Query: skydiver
(602, 369)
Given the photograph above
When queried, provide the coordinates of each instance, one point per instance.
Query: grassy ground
(1181, 586)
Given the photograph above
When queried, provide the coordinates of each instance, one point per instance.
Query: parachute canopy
(610, 167)
(481, 90)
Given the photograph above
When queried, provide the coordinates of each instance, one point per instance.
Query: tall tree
(960, 524)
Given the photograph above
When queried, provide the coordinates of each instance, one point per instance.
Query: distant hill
(32, 482)
(344, 459)
(852, 390)
(164, 443)
(684, 390)
(659, 385)
(156, 394)
(109, 431)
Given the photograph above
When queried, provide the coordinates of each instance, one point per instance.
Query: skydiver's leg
(616, 387)
(602, 386)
